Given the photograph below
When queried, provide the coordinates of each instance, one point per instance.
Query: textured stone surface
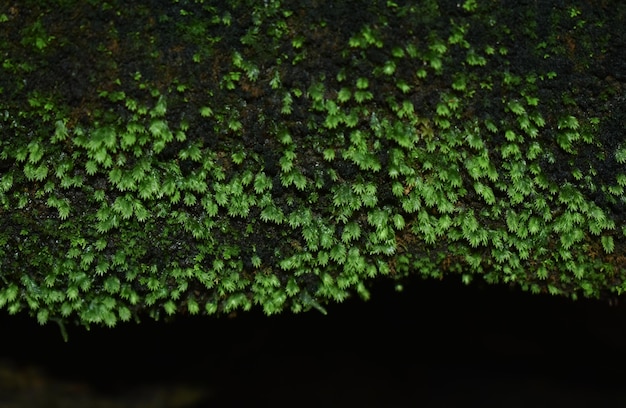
(203, 157)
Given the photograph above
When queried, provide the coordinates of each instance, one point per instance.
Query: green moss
(211, 158)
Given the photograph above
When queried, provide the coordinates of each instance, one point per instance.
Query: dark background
(435, 344)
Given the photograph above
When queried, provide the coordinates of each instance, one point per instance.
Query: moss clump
(195, 157)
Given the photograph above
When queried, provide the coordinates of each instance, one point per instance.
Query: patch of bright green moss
(208, 158)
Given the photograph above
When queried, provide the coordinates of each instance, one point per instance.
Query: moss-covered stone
(195, 157)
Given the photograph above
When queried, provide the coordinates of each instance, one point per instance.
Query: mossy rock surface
(196, 157)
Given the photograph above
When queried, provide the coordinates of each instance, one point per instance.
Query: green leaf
(42, 316)
(91, 167)
(510, 135)
(103, 137)
(443, 110)
(362, 96)
(517, 108)
(124, 314)
(344, 95)
(352, 119)
(192, 306)
(206, 111)
(262, 183)
(112, 284)
(100, 155)
(459, 83)
(238, 157)
(159, 129)
(6, 182)
(608, 244)
(123, 205)
(389, 68)
(568, 122)
(170, 307)
(403, 86)
(72, 292)
(491, 126)
(620, 155)
(36, 152)
(351, 231)
(485, 192)
(398, 222)
(60, 131)
(378, 218)
(272, 213)
(159, 109)
(38, 173)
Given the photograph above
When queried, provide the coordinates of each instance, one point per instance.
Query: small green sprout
(297, 42)
(389, 68)
(470, 5)
(474, 59)
(403, 86)
(620, 154)
(344, 95)
(460, 83)
(435, 64)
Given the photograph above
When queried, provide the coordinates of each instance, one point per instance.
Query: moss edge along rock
(191, 157)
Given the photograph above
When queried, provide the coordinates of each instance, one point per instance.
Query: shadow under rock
(435, 344)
